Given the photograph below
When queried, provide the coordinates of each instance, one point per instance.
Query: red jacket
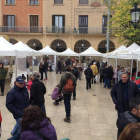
(0, 117)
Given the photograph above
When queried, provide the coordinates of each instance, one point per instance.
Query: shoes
(42, 79)
(67, 120)
(45, 79)
(60, 73)
(74, 98)
(55, 103)
(2, 94)
(87, 88)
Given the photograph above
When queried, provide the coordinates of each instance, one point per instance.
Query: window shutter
(4, 20)
(53, 20)
(14, 20)
(63, 20)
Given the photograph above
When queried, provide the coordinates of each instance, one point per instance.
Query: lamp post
(135, 15)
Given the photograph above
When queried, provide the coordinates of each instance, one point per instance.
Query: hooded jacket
(94, 69)
(63, 82)
(88, 72)
(45, 128)
(55, 93)
(17, 99)
(3, 73)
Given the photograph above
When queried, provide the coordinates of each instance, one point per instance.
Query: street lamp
(135, 15)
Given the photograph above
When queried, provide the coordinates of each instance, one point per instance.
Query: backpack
(69, 85)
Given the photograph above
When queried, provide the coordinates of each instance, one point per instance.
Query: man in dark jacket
(122, 92)
(17, 99)
(108, 76)
(45, 67)
(37, 91)
(59, 66)
(89, 74)
(132, 116)
(66, 94)
(75, 72)
(68, 62)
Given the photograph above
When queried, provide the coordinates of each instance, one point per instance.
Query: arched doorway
(102, 46)
(81, 46)
(58, 45)
(12, 41)
(35, 44)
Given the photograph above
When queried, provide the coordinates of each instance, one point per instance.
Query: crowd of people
(27, 103)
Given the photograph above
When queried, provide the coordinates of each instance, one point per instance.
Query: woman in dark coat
(41, 70)
(34, 120)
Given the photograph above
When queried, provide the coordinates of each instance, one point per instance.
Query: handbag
(40, 135)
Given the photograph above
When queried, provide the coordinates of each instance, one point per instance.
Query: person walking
(108, 76)
(17, 99)
(37, 92)
(131, 116)
(41, 70)
(34, 122)
(45, 67)
(59, 66)
(89, 74)
(80, 69)
(102, 72)
(75, 72)
(95, 71)
(66, 87)
(122, 92)
(3, 74)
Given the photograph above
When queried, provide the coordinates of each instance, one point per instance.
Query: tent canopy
(6, 48)
(68, 52)
(90, 52)
(47, 50)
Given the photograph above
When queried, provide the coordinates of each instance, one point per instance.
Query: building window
(10, 1)
(34, 24)
(105, 1)
(58, 23)
(9, 20)
(83, 24)
(58, 1)
(83, 1)
(33, 1)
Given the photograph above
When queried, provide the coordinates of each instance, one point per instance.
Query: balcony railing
(21, 29)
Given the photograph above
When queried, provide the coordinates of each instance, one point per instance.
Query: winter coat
(17, 99)
(117, 94)
(80, 67)
(41, 69)
(75, 73)
(115, 73)
(124, 119)
(29, 84)
(37, 92)
(45, 66)
(45, 128)
(98, 65)
(50, 62)
(88, 72)
(59, 65)
(102, 70)
(55, 93)
(108, 73)
(94, 69)
(3, 73)
(0, 117)
(119, 75)
(63, 82)
(68, 62)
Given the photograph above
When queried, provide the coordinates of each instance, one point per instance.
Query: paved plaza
(93, 115)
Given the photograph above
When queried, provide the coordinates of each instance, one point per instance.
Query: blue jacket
(17, 99)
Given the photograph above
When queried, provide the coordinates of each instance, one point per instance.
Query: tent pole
(32, 63)
(116, 68)
(131, 67)
(137, 67)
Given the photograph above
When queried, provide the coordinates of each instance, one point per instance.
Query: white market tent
(90, 52)
(48, 51)
(6, 48)
(68, 52)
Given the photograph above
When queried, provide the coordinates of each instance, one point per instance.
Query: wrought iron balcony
(21, 29)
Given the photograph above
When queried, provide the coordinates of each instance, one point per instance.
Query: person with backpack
(66, 87)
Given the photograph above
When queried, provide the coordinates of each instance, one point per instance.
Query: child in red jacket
(0, 123)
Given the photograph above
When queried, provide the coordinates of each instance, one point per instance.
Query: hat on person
(20, 79)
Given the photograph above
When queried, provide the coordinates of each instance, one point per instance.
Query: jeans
(15, 130)
(101, 78)
(107, 83)
(45, 73)
(50, 68)
(43, 108)
(2, 83)
(74, 92)
(67, 99)
(41, 75)
(15, 137)
(80, 75)
(88, 83)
